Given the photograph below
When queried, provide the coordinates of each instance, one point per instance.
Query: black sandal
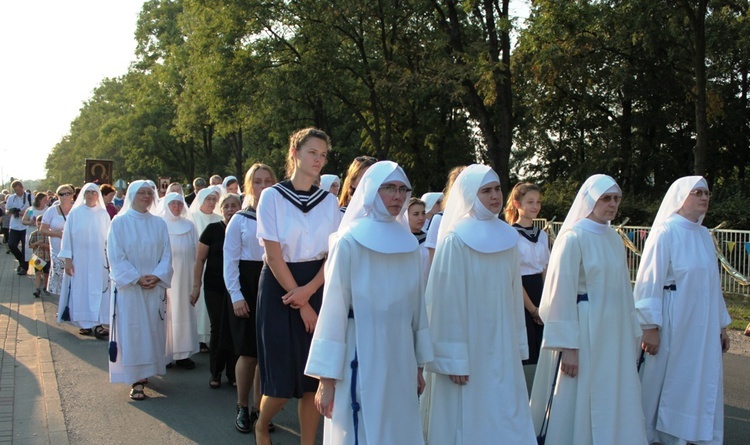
(101, 333)
(84, 331)
(137, 394)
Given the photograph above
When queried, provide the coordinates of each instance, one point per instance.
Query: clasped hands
(148, 281)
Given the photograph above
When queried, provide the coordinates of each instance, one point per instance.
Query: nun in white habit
(182, 330)
(373, 313)
(590, 321)
(682, 312)
(141, 267)
(84, 298)
(478, 390)
(203, 212)
(331, 184)
(432, 202)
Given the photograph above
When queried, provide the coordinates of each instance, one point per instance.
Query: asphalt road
(182, 409)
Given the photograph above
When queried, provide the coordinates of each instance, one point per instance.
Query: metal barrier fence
(732, 251)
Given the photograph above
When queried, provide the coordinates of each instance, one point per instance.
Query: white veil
(370, 222)
(676, 196)
(590, 192)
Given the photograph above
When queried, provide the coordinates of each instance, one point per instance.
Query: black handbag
(112, 333)
(543, 430)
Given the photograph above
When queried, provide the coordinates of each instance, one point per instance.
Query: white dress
(478, 329)
(683, 394)
(137, 245)
(86, 293)
(182, 334)
(601, 405)
(201, 220)
(389, 330)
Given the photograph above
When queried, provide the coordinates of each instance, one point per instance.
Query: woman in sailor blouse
(295, 219)
(524, 204)
(243, 261)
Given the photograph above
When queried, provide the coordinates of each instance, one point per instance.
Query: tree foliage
(645, 91)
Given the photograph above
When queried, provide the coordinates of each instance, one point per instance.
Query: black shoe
(19, 268)
(37, 293)
(21, 272)
(185, 363)
(243, 423)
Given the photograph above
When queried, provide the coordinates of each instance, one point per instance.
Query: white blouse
(302, 236)
(533, 257)
(240, 243)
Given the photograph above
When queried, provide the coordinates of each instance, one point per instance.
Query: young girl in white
(524, 204)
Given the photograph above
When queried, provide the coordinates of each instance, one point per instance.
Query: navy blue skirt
(533, 285)
(283, 343)
(243, 329)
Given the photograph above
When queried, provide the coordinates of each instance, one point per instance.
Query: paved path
(54, 387)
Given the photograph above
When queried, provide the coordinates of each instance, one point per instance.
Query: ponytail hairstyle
(297, 140)
(516, 195)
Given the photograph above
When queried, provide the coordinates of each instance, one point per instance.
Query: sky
(54, 54)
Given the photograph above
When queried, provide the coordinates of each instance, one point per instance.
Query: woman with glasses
(356, 170)
(381, 325)
(140, 261)
(475, 306)
(53, 223)
(589, 348)
(84, 298)
(295, 219)
(684, 318)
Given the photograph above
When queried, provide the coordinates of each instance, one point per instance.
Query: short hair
(16, 183)
(199, 183)
(70, 187)
(106, 189)
(416, 201)
(38, 198)
(229, 196)
(213, 178)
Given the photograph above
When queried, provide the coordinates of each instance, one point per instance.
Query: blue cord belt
(353, 390)
(672, 287)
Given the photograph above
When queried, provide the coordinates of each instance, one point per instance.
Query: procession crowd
(400, 320)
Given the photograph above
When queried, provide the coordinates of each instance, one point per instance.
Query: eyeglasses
(609, 198)
(391, 189)
(64, 194)
(700, 193)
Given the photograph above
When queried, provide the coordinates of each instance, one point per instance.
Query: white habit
(138, 245)
(601, 405)
(389, 332)
(683, 394)
(475, 308)
(84, 241)
(201, 220)
(182, 331)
